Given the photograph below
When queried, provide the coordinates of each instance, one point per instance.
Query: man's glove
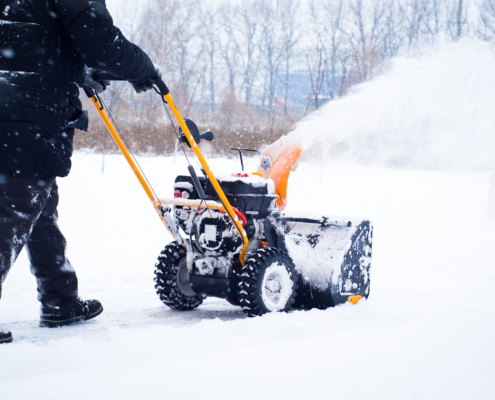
(147, 84)
(88, 81)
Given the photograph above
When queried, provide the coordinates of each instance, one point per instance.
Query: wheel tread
(166, 278)
(248, 287)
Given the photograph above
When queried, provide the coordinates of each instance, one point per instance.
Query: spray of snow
(431, 110)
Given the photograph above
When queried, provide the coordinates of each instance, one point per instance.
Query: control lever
(195, 133)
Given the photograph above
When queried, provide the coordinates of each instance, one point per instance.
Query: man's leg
(21, 202)
(57, 281)
(46, 247)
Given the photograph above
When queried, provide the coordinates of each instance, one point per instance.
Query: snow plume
(430, 110)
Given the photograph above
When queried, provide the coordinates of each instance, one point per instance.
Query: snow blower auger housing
(232, 241)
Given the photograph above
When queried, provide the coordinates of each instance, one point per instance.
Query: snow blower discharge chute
(232, 240)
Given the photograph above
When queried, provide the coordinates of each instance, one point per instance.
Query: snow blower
(232, 241)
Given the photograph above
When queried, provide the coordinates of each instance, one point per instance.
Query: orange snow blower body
(281, 158)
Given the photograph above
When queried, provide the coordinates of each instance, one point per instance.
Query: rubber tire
(171, 259)
(249, 290)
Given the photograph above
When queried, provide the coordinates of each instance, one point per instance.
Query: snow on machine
(233, 241)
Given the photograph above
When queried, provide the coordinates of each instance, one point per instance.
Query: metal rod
(240, 154)
(211, 177)
(132, 164)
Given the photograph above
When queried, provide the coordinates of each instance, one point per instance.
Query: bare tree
(456, 18)
(271, 47)
(247, 42)
(344, 84)
(392, 36)
(365, 31)
(486, 30)
(334, 10)
(228, 43)
(290, 38)
(186, 53)
(326, 24)
(208, 29)
(419, 20)
(159, 22)
(317, 75)
(459, 19)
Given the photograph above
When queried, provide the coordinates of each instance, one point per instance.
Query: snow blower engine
(233, 241)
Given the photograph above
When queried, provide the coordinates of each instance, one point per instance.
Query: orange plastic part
(354, 299)
(283, 155)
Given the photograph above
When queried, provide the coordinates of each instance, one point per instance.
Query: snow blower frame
(240, 246)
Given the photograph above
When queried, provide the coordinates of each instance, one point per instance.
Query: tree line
(229, 65)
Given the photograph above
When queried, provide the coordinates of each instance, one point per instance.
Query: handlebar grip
(208, 135)
(104, 76)
(161, 86)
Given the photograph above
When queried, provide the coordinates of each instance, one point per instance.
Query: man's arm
(101, 44)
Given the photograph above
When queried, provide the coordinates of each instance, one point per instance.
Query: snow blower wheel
(355, 276)
(267, 283)
(172, 279)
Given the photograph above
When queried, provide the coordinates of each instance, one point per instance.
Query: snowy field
(426, 331)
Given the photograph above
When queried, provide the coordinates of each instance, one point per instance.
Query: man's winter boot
(81, 310)
(5, 335)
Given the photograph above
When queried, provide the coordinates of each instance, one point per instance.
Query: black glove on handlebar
(148, 84)
(90, 82)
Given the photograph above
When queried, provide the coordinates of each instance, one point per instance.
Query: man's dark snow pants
(28, 217)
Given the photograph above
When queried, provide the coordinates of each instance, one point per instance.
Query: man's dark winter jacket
(43, 47)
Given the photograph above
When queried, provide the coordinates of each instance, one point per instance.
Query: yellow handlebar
(156, 203)
(211, 177)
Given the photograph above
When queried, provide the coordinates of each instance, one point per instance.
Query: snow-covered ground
(426, 331)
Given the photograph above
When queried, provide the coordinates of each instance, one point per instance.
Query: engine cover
(211, 229)
(251, 196)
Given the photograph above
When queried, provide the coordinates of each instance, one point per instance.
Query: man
(44, 47)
